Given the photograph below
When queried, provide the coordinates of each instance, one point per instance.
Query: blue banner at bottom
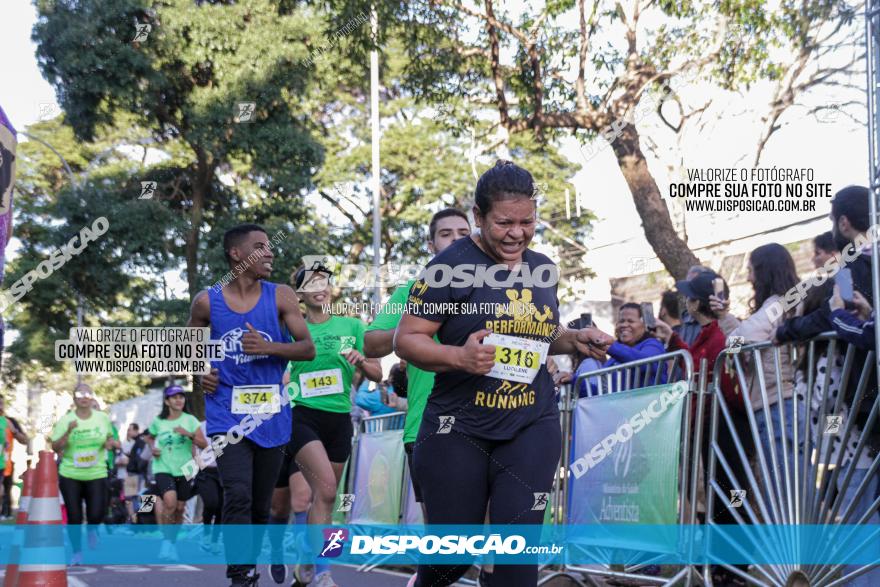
(435, 544)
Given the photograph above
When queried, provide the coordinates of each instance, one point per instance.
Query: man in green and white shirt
(446, 227)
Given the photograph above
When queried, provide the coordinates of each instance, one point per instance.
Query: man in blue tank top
(248, 419)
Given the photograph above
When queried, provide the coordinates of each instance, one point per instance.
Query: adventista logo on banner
(669, 396)
(625, 460)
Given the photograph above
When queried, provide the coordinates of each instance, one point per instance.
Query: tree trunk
(201, 187)
(673, 252)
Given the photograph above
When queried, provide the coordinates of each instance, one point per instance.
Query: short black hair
(135, 426)
(502, 180)
(445, 213)
(234, 236)
(852, 202)
(670, 301)
(825, 241)
(631, 306)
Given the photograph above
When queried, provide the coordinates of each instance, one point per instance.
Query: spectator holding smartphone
(633, 343)
(708, 345)
(710, 340)
(771, 273)
(689, 327)
(854, 326)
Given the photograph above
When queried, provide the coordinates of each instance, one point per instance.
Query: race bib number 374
(256, 399)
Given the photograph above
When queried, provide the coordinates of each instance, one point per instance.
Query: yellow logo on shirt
(522, 308)
(508, 396)
(419, 288)
(522, 316)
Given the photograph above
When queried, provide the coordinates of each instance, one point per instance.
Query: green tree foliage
(583, 68)
(184, 83)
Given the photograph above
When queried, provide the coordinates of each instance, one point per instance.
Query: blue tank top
(237, 368)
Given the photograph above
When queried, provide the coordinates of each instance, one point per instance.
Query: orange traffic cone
(20, 519)
(45, 511)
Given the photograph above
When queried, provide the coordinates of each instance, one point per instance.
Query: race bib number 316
(516, 359)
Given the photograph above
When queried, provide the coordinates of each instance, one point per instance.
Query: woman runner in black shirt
(490, 432)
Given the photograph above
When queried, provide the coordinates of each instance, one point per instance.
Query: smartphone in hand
(586, 320)
(843, 280)
(718, 286)
(648, 315)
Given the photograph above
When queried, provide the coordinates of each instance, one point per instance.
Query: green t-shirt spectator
(324, 383)
(84, 457)
(176, 448)
(420, 382)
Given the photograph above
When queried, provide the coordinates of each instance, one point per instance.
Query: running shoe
(249, 580)
(76, 560)
(278, 573)
(325, 580)
(93, 540)
(168, 552)
(304, 574)
(172, 556)
(483, 578)
(205, 544)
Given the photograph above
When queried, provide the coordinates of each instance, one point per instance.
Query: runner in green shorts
(320, 394)
(173, 436)
(446, 227)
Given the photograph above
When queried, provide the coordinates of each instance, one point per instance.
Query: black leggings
(6, 510)
(74, 492)
(208, 486)
(247, 474)
(461, 475)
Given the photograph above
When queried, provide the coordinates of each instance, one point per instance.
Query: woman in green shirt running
(320, 392)
(82, 437)
(172, 436)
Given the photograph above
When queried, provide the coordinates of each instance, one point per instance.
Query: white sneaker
(325, 580)
(168, 552)
(173, 556)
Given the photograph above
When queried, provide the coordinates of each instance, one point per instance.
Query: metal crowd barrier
(621, 379)
(375, 425)
(802, 478)
(799, 479)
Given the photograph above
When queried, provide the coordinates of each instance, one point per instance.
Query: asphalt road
(207, 576)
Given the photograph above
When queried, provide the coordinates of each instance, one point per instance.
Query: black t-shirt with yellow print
(525, 318)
